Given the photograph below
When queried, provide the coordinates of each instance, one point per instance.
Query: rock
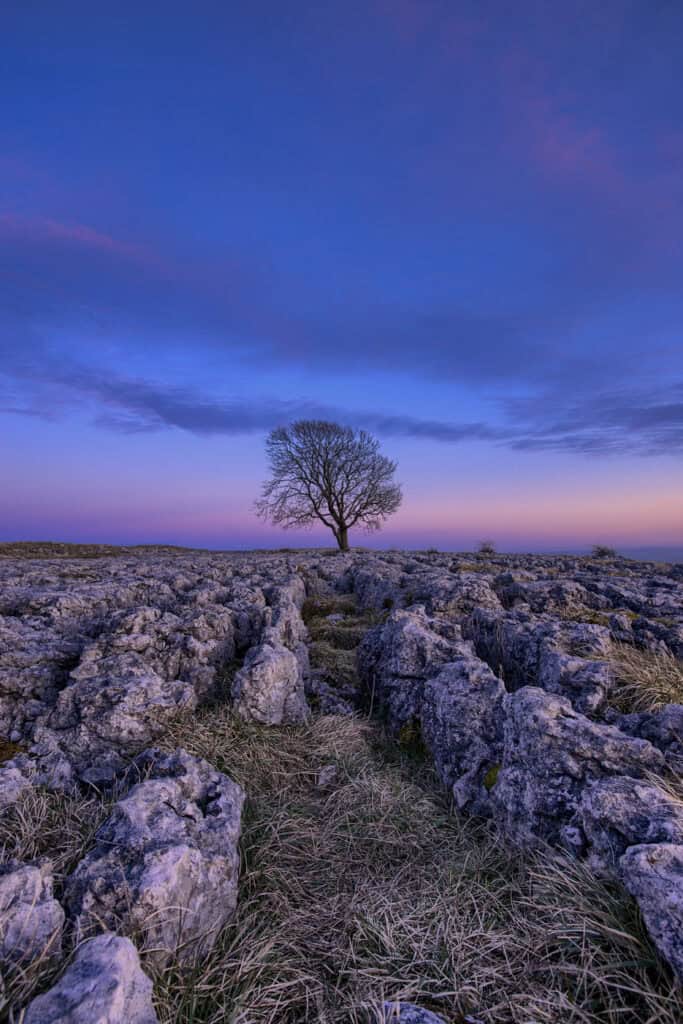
(13, 782)
(117, 703)
(165, 863)
(104, 984)
(654, 876)
(408, 1013)
(269, 688)
(452, 593)
(378, 587)
(550, 753)
(396, 659)
(616, 813)
(326, 775)
(462, 726)
(663, 729)
(34, 661)
(567, 658)
(31, 920)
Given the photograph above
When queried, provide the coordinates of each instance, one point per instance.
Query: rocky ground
(309, 787)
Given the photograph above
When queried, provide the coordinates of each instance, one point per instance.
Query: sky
(456, 224)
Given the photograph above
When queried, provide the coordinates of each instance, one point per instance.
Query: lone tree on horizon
(321, 470)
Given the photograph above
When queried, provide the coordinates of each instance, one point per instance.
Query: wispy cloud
(635, 422)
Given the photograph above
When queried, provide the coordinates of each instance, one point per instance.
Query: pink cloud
(47, 229)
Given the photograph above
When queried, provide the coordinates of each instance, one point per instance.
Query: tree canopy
(327, 472)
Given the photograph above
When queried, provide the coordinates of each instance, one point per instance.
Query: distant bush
(486, 547)
(602, 551)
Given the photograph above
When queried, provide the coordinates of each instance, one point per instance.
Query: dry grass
(60, 828)
(8, 750)
(370, 888)
(645, 680)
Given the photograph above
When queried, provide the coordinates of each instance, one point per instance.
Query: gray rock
(616, 813)
(567, 658)
(550, 754)
(396, 659)
(165, 864)
(409, 1013)
(453, 594)
(104, 984)
(115, 703)
(462, 726)
(326, 776)
(269, 688)
(14, 780)
(31, 919)
(663, 729)
(654, 876)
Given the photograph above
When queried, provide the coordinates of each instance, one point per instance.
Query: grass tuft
(645, 680)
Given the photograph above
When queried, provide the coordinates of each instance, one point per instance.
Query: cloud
(77, 276)
(635, 422)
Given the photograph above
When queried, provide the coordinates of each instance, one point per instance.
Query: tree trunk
(343, 538)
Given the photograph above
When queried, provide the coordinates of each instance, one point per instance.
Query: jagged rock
(34, 660)
(654, 876)
(514, 589)
(663, 729)
(616, 813)
(104, 984)
(550, 753)
(31, 920)
(452, 594)
(13, 782)
(377, 588)
(567, 658)
(117, 704)
(408, 1013)
(462, 726)
(269, 688)
(396, 659)
(165, 863)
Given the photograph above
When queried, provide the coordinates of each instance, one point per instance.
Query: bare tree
(324, 471)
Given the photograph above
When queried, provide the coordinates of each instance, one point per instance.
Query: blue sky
(457, 224)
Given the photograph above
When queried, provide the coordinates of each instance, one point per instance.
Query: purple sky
(457, 224)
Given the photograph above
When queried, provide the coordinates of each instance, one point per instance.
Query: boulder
(104, 984)
(462, 726)
(654, 876)
(165, 863)
(31, 919)
(269, 688)
(115, 704)
(14, 780)
(396, 659)
(663, 729)
(563, 657)
(550, 753)
(616, 813)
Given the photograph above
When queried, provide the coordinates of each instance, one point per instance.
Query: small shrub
(486, 547)
(603, 551)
